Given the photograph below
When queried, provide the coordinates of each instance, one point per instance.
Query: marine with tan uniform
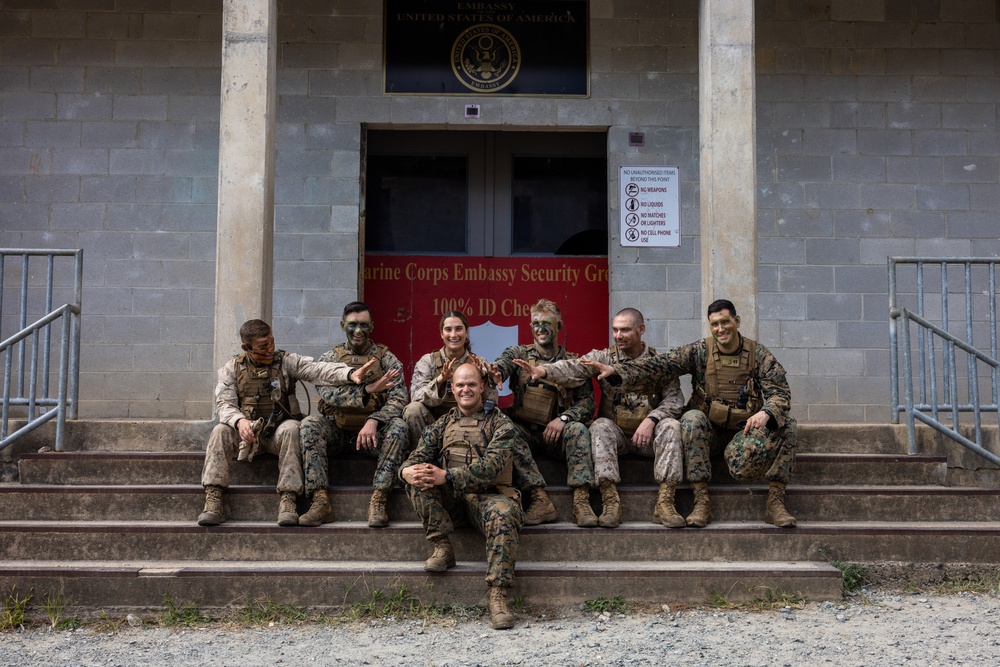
(461, 471)
(549, 419)
(367, 416)
(639, 419)
(431, 396)
(257, 411)
(740, 405)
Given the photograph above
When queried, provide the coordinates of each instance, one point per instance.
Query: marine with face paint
(740, 406)
(366, 417)
(549, 419)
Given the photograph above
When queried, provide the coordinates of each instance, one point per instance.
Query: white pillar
(728, 131)
(245, 228)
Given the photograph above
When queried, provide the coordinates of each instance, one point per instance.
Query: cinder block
(920, 224)
(985, 197)
(946, 32)
(939, 142)
(193, 108)
(938, 197)
(159, 302)
(160, 358)
(804, 168)
(860, 169)
(178, 136)
(111, 79)
(12, 133)
(952, 248)
(302, 219)
(914, 169)
(170, 26)
(883, 88)
(191, 218)
(79, 161)
(820, 141)
(672, 304)
(780, 196)
(864, 391)
(57, 79)
(49, 189)
(833, 307)
(12, 189)
(831, 196)
(109, 134)
(808, 334)
(802, 114)
(928, 89)
(134, 217)
(136, 161)
(969, 116)
(914, 61)
(781, 306)
(140, 107)
(875, 251)
(887, 196)
(52, 134)
(973, 224)
(805, 223)
(884, 142)
(913, 115)
(77, 217)
(858, 115)
(862, 61)
(859, 279)
(28, 106)
(142, 53)
(781, 250)
(151, 246)
(804, 278)
(191, 163)
(832, 251)
(971, 169)
(33, 52)
(88, 52)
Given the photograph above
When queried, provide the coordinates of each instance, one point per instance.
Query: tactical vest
(539, 400)
(449, 400)
(726, 376)
(352, 419)
(259, 387)
(628, 405)
(465, 441)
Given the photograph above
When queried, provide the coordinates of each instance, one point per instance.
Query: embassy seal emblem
(485, 58)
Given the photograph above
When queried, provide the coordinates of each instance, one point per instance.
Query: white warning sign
(650, 206)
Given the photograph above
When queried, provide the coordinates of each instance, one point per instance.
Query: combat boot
(213, 513)
(665, 512)
(540, 508)
(319, 512)
(378, 516)
(701, 515)
(500, 615)
(287, 516)
(583, 513)
(443, 556)
(776, 512)
(611, 515)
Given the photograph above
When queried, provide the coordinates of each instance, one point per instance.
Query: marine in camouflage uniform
(460, 473)
(557, 428)
(356, 417)
(747, 419)
(257, 411)
(638, 419)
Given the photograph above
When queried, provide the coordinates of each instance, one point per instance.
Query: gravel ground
(870, 629)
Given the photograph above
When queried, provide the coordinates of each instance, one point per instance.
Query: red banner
(408, 295)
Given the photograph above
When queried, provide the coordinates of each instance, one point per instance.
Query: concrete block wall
(877, 135)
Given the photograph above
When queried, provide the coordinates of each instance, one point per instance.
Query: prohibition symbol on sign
(632, 234)
(632, 220)
(632, 204)
(631, 189)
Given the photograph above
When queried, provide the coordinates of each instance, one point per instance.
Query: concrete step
(185, 468)
(183, 503)
(143, 584)
(920, 542)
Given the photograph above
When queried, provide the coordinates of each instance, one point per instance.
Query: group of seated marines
(461, 460)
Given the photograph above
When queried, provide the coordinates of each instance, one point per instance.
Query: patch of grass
(15, 609)
(55, 605)
(182, 614)
(972, 583)
(761, 599)
(852, 575)
(401, 603)
(615, 605)
(265, 610)
(105, 623)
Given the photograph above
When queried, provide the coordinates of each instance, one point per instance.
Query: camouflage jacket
(293, 367)
(576, 403)
(348, 396)
(424, 389)
(482, 474)
(677, 361)
(570, 372)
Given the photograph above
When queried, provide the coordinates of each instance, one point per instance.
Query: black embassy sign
(440, 47)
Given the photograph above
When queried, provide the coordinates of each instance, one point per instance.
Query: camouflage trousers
(320, 435)
(417, 418)
(496, 516)
(702, 439)
(609, 442)
(573, 447)
(224, 446)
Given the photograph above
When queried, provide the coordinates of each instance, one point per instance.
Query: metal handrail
(942, 395)
(41, 405)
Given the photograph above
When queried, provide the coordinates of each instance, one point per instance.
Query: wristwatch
(564, 418)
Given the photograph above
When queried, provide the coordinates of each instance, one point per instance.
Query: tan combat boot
(583, 514)
(611, 515)
(500, 615)
(287, 516)
(443, 556)
(319, 512)
(378, 516)
(665, 512)
(776, 512)
(213, 513)
(701, 515)
(540, 508)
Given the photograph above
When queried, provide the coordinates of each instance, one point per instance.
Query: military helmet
(747, 455)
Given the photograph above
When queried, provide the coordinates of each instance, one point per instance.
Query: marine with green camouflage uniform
(367, 417)
(638, 419)
(257, 411)
(740, 405)
(461, 472)
(549, 419)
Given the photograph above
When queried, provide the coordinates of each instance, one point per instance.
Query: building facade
(873, 132)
